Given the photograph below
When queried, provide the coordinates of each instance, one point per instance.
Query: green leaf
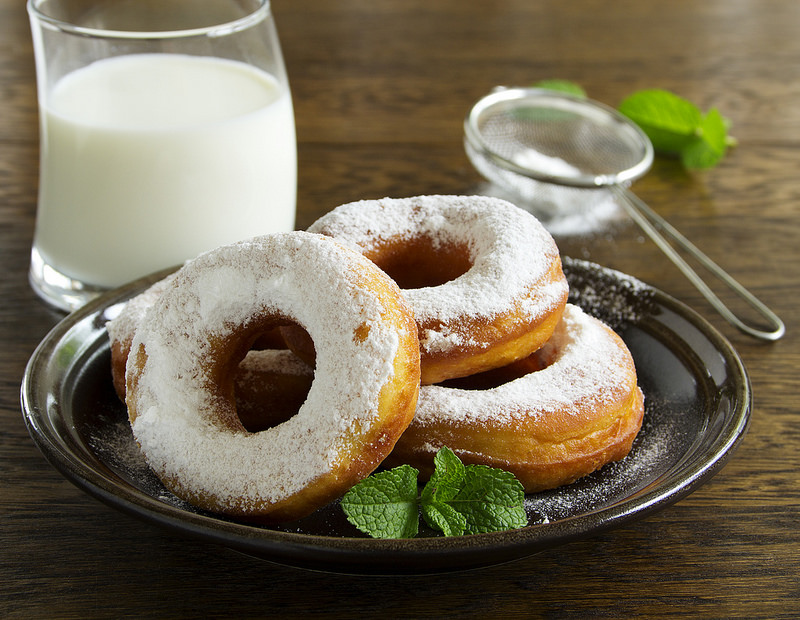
(675, 126)
(457, 500)
(671, 122)
(444, 484)
(385, 504)
(562, 86)
(444, 517)
(491, 500)
(447, 477)
(710, 147)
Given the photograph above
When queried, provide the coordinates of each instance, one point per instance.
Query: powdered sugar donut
(185, 352)
(564, 412)
(482, 276)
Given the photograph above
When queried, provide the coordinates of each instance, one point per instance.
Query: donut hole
(423, 262)
(271, 398)
(496, 377)
(268, 387)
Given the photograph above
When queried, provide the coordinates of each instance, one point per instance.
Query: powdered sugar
(534, 160)
(593, 211)
(257, 363)
(298, 275)
(565, 211)
(511, 252)
(123, 326)
(613, 297)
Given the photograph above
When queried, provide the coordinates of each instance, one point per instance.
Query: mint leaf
(385, 504)
(444, 484)
(457, 500)
(491, 500)
(710, 146)
(677, 127)
(671, 122)
(562, 86)
(447, 478)
(471, 499)
(442, 516)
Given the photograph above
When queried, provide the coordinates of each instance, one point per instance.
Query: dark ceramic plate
(698, 402)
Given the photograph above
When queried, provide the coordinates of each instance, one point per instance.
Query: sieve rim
(503, 95)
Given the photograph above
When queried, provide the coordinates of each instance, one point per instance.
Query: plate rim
(360, 555)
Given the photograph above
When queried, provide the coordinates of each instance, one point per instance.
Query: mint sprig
(458, 499)
(675, 126)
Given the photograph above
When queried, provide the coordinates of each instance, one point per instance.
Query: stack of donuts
(265, 378)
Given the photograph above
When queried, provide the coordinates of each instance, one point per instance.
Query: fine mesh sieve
(527, 140)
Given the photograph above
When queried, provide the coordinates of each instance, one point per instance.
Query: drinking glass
(166, 128)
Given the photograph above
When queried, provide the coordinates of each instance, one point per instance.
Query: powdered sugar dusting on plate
(115, 446)
(613, 297)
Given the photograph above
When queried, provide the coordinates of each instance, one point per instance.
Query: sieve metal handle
(648, 220)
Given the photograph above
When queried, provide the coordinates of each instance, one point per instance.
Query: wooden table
(380, 90)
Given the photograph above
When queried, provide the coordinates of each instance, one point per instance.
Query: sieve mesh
(555, 138)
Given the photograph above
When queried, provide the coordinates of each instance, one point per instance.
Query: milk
(149, 159)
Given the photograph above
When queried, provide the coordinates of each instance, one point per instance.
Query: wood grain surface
(380, 91)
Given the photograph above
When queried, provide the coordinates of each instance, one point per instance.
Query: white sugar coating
(588, 365)
(258, 362)
(510, 250)
(305, 277)
(123, 326)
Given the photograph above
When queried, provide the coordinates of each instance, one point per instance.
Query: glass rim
(214, 30)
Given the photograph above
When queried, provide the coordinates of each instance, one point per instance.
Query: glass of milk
(167, 129)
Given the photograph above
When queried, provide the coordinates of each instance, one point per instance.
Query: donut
(187, 348)
(482, 276)
(122, 328)
(550, 419)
